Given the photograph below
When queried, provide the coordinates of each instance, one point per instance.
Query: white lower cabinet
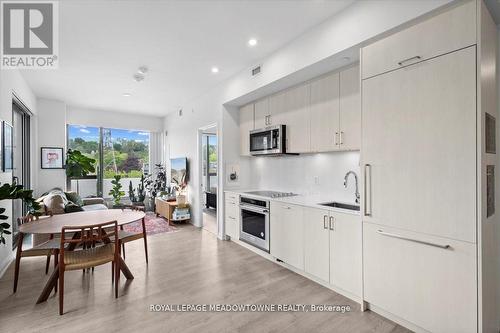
(317, 243)
(409, 274)
(286, 228)
(345, 252)
(232, 216)
(332, 248)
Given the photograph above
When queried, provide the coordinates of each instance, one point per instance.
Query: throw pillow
(72, 207)
(74, 198)
(55, 203)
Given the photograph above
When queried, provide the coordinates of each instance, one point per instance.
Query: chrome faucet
(356, 180)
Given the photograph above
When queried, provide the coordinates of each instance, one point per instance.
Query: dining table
(53, 225)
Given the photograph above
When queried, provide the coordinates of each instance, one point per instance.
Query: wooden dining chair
(107, 251)
(129, 236)
(45, 249)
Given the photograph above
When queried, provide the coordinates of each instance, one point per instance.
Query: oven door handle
(255, 210)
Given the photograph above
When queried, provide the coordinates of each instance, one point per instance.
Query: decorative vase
(181, 199)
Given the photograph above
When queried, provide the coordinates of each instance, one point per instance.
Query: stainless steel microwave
(268, 141)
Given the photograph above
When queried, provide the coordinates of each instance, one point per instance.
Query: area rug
(154, 225)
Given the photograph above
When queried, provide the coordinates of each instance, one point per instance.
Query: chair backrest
(101, 232)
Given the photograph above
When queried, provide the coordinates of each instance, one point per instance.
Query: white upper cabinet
(297, 119)
(350, 110)
(443, 33)
(262, 114)
(246, 125)
(419, 139)
(320, 116)
(324, 111)
(277, 109)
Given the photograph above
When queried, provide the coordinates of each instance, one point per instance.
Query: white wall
(307, 174)
(315, 52)
(113, 119)
(11, 82)
(51, 133)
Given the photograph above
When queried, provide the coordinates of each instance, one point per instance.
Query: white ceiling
(102, 43)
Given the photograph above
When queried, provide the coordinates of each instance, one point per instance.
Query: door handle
(388, 234)
(367, 190)
(402, 62)
(325, 223)
(331, 223)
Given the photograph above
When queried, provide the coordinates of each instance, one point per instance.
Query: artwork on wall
(52, 158)
(7, 149)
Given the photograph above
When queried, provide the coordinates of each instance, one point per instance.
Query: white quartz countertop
(306, 200)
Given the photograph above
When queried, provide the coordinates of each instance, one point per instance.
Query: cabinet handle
(368, 190)
(325, 223)
(387, 234)
(335, 140)
(402, 62)
(331, 223)
(269, 117)
(341, 138)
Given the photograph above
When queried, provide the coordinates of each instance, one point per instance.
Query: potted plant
(116, 192)
(14, 191)
(180, 190)
(78, 166)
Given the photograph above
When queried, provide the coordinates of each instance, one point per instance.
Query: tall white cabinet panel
(345, 252)
(316, 243)
(297, 119)
(419, 147)
(246, 125)
(324, 111)
(232, 215)
(261, 109)
(350, 110)
(446, 32)
(431, 287)
(287, 233)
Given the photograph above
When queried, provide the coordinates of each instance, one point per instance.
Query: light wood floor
(187, 267)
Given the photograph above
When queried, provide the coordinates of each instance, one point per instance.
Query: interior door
(419, 147)
(21, 160)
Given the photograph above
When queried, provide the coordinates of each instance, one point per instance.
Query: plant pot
(181, 199)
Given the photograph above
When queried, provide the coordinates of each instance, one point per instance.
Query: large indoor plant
(15, 192)
(78, 165)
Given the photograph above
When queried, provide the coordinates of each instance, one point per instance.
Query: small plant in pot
(116, 191)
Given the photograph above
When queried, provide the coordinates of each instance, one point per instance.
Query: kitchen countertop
(312, 201)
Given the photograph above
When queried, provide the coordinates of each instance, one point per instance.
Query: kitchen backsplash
(321, 173)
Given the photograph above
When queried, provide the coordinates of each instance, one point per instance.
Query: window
(116, 151)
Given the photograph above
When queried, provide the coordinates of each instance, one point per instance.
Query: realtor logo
(29, 34)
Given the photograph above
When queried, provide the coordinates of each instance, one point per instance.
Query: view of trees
(125, 152)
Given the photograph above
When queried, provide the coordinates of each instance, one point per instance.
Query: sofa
(56, 201)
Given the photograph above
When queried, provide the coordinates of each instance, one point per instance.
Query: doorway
(21, 158)
(209, 180)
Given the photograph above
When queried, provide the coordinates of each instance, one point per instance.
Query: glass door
(21, 160)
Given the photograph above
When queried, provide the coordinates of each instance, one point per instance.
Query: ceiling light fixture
(143, 69)
(215, 70)
(127, 94)
(252, 42)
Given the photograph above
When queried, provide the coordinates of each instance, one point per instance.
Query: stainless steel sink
(340, 205)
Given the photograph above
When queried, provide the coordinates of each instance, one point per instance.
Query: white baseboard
(5, 265)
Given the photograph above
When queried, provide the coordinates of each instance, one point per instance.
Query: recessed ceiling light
(252, 42)
(127, 94)
(346, 58)
(143, 69)
(215, 70)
